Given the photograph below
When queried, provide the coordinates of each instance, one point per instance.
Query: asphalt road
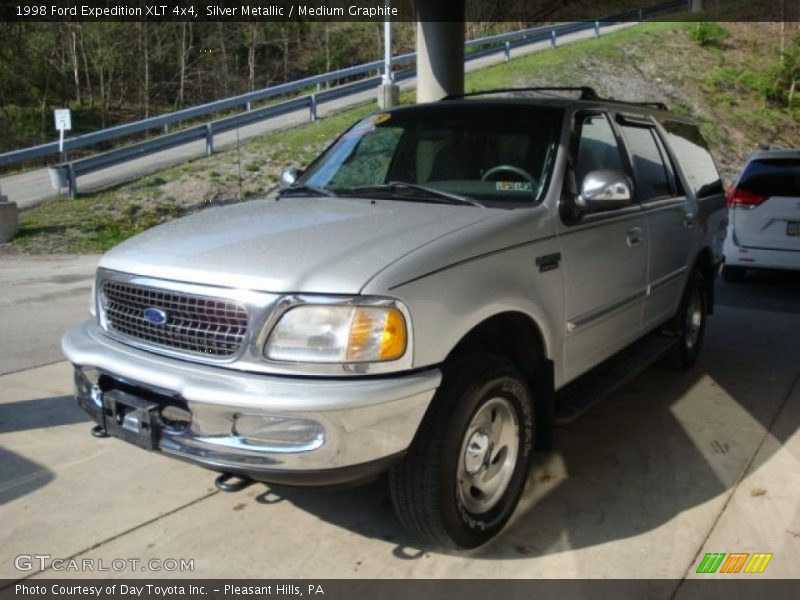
(670, 467)
(31, 188)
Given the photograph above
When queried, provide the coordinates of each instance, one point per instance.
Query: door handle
(634, 236)
(688, 220)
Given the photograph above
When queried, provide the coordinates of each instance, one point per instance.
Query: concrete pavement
(672, 466)
(31, 188)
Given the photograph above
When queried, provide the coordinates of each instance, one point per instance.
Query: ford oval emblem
(153, 315)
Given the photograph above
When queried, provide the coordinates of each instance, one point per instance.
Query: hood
(297, 244)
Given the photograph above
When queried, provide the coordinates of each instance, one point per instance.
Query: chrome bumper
(364, 420)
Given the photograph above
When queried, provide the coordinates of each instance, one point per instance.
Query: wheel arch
(517, 337)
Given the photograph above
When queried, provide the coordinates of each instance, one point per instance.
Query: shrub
(708, 34)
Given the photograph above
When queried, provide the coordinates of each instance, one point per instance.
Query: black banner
(399, 10)
(744, 587)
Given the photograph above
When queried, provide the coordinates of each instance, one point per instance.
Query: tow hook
(99, 431)
(230, 482)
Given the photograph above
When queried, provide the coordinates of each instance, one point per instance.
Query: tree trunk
(223, 49)
(86, 71)
(251, 58)
(75, 64)
(182, 84)
(144, 45)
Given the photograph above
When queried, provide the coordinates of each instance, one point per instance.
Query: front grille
(194, 324)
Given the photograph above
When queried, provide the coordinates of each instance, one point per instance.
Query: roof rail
(586, 93)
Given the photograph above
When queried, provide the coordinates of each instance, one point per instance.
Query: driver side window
(597, 148)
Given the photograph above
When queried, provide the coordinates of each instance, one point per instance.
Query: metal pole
(597, 29)
(508, 51)
(552, 38)
(313, 108)
(387, 51)
(209, 139)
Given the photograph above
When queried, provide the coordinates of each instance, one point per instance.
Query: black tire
(427, 492)
(733, 274)
(689, 324)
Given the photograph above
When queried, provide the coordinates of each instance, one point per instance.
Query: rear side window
(651, 176)
(772, 177)
(695, 160)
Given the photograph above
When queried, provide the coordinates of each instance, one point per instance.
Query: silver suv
(436, 291)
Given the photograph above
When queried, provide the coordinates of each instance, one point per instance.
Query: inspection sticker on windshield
(514, 186)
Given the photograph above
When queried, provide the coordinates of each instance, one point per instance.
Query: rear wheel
(733, 274)
(689, 324)
(465, 471)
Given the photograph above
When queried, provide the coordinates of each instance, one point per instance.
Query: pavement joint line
(792, 388)
(115, 537)
(31, 368)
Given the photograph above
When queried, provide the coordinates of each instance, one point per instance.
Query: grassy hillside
(725, 79)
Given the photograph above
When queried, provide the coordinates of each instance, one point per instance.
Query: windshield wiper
(420, 190)
(306, 188)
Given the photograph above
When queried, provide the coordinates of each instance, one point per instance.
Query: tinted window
(597, 148)
(696, 162)
(651, 177)
(772, 177)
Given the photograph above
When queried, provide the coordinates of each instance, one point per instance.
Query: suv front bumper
(358, 426)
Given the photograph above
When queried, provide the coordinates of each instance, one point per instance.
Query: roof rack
(586, 93)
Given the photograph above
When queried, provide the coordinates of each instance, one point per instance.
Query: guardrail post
(508, 51)
(209, 139)
(641, 15)
(166, 128)
(597, 29)
(553, 42)
(313, 107)
(72, 181)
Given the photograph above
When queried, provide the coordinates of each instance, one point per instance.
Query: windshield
(497, 155)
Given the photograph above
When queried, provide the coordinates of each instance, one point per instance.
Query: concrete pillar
(9, 223)
(440, 53)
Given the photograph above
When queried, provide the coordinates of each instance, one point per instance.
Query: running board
(581, 394)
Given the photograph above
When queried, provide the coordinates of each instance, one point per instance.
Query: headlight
(338, 334)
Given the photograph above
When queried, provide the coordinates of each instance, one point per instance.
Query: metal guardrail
(66, 174)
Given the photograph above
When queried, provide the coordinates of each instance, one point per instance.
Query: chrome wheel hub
(488, 456)
(694, 319)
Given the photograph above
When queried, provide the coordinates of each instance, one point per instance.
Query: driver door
(604, 253)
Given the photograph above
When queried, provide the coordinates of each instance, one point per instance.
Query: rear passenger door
(604, 255)
(669, 214)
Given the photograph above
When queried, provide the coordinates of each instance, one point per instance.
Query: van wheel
(689, 324)
(733, 274)
(466, 469)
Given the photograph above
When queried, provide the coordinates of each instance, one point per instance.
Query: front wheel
(466, 469)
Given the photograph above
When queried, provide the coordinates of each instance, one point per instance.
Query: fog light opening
(293, 433)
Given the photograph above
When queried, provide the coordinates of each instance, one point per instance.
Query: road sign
(63, 123)
(63, 119)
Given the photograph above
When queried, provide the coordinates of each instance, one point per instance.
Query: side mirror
(289, 177)
(604, 190)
